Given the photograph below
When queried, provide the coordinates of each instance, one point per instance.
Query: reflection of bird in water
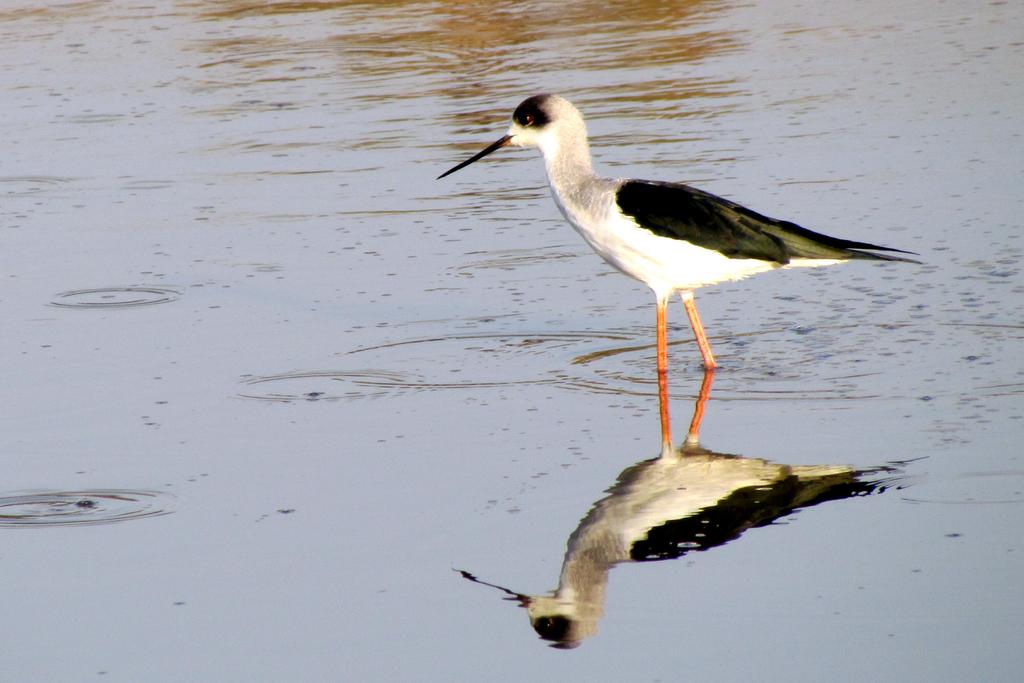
(670, 236)
(687, 499)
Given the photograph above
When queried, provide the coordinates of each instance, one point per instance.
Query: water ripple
(12, 186)
(322, 385)
(114, 297)
(791, 363)
(80, 508)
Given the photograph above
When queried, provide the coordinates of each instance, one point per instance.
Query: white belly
(663, 263)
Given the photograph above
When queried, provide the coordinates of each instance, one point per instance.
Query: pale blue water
(267, 382)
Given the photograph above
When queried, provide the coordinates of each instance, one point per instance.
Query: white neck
(567, 160)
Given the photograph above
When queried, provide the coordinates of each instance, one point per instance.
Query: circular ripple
(801, 363)
(74, 508)
(114, 297)
(322, 385)
(12, 186)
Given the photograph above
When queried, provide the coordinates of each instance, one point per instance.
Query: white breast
(663, 263)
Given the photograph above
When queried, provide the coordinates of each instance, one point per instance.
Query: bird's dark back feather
(681, 212)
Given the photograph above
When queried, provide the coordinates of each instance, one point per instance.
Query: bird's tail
(858, 254)
(803, 243)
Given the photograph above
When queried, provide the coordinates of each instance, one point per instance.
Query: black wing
(706, 220)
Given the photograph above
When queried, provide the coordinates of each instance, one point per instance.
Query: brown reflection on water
(469, 49)
(56, 12)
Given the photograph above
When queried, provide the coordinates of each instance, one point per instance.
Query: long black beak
(478, 156)
(523, 600)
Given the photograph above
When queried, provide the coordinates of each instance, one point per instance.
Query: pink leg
(698, 331)
(666, 428)
(693, 436)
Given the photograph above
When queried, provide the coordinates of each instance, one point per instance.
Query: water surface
(242, 319)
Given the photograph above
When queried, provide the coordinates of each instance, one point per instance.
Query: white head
(543, 121)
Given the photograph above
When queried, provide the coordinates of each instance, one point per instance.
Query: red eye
(529, 119)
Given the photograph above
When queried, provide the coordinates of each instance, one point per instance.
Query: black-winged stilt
(673, 237)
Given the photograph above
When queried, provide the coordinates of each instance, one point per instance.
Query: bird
(673, 237)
